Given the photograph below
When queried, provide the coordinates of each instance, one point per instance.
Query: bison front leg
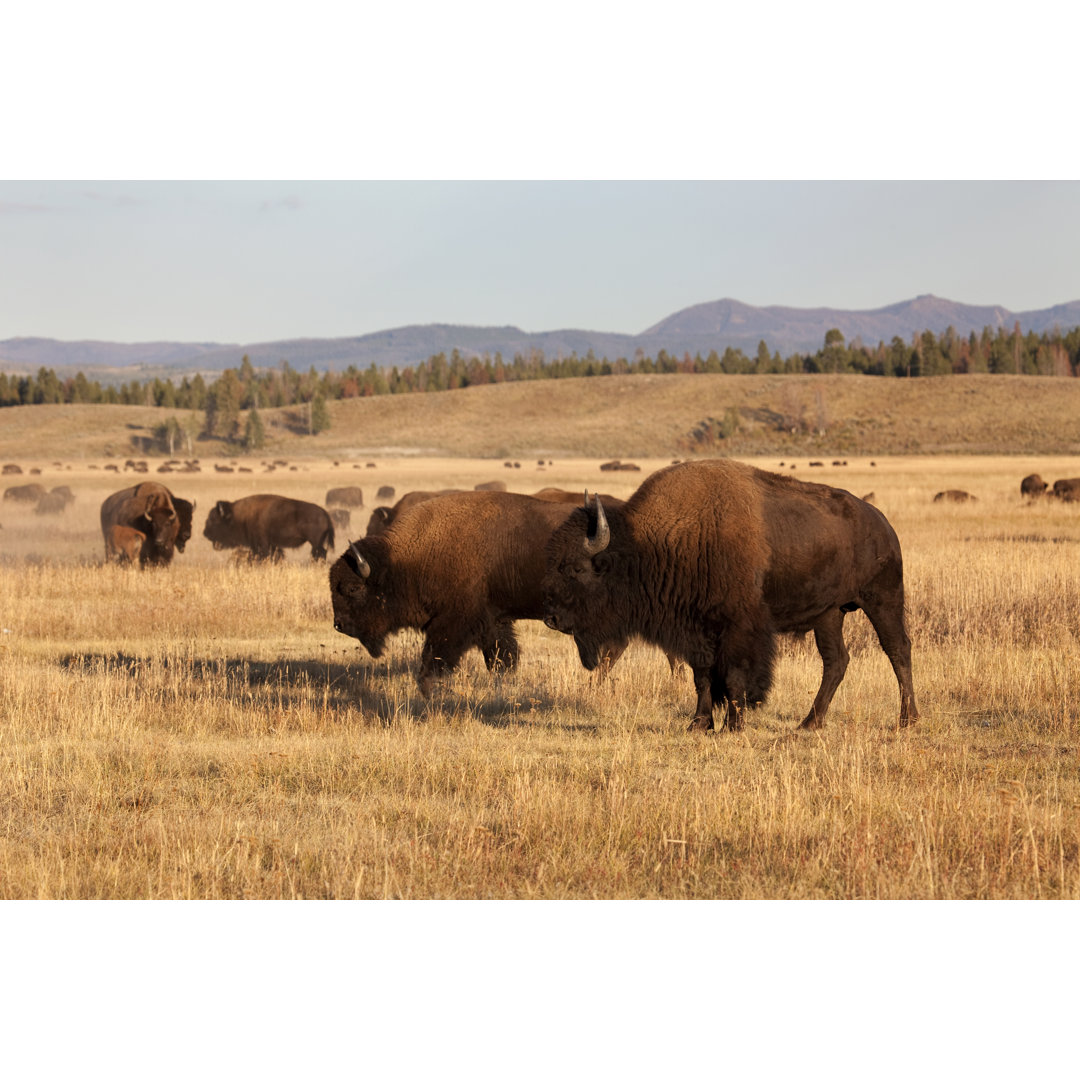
(500, 647)
(829, 637)
(438, 657)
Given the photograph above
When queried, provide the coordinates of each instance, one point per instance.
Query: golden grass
(203, 731)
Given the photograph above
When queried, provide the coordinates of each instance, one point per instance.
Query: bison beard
(710, 560)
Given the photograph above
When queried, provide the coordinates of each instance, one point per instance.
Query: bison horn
(363, 567)
(596, 543)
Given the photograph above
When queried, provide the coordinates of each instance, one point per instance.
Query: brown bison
(711, 559)
(266, 524)
(52, 502)
(1033, 486)
(954, 495)
(150, 509)
(28, 493)
(1067, 490)
(382, 516)
(124, 545)
(461, 568)
(345, 496)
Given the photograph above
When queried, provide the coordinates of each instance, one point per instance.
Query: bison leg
(703, 713)
(888, 623)
(500, 648)
(438, 657)
(829, 637)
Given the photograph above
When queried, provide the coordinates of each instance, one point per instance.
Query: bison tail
(328, 538)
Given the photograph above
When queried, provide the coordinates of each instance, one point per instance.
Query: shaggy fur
(711, 559)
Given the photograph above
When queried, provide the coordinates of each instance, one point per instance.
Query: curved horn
(363, 567)
(595, 544)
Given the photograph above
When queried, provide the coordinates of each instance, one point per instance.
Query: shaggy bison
(954, 495)
(345, 496)
(1032, 486)
(266, 524)
(26, 493)
(382, 516)
(1067, 490)
(711, 559)
(461, 568)
(150, 509)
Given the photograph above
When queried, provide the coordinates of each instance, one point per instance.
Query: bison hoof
(906, 721)
(701, 723)
(812, 723)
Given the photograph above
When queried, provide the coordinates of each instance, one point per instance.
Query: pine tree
(254, 433)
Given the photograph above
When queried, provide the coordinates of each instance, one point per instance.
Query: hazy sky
(243, 261)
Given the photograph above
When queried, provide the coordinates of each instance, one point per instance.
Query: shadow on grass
(363, 686)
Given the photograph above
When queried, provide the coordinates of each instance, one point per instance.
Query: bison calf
(123, 544)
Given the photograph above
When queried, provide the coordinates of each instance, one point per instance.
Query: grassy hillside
(624, 416)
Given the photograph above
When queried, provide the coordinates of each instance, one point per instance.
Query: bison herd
(708, 560)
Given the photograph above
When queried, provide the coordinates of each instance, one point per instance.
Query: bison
(954, 495)
(149, 508)
(266, 524)
(710, 560)
(123, 544)
(52, 502)
(1033, 486)
(1067, 490)
(29, 493)
(341, 518)
(382, 516)
(461, 568)
(345, 496)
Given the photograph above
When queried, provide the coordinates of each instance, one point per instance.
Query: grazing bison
(341, 518)
(1033, 486)
(123, 545)
(385, 492)
(490, 485)
(345, 496)
(954, 495)
(266, 524)
(382, 516)
(149, 508)
(1067, 490)
(53, 502)
(461, 568)
(28, 493)
(711, 559)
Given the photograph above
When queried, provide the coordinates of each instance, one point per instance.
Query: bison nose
(551, 622)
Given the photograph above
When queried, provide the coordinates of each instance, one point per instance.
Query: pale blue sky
(243, 261)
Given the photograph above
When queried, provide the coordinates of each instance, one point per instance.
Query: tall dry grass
(202, 732)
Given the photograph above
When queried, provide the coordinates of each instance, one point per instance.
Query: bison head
(221, 528)
(162, 526)
(377, 523)
(359, 599)
(578, 584)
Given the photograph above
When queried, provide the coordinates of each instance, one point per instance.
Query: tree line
(229, 401)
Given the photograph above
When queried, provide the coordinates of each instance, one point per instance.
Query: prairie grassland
(203, 732)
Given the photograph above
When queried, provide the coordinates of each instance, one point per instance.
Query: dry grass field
(203, 732)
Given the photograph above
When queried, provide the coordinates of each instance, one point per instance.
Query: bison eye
(602, 562)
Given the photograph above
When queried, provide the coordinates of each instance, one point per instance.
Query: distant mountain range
(700, 328)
